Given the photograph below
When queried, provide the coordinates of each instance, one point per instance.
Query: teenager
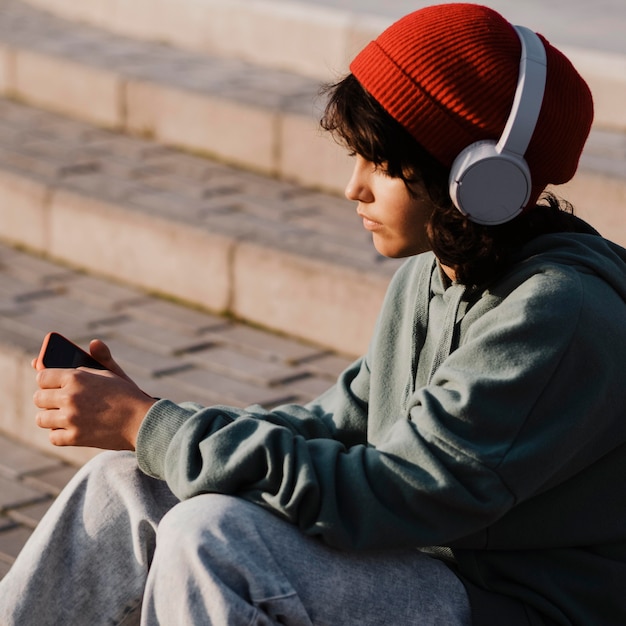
(467, 470)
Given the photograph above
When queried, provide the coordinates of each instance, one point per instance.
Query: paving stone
(328, 365)
(79, 313)
(14, 494)
(264, 344)
(23, 339)
(52, 480)
(186, 165)
(13, 288)
(157, 339)
(11, 308)
(167, 203)
(37, 321)
(30, 515)
(124, 149)
(242, 366)
(604, 164)
(44, 168)
(171, 316)
(307, 388)
(172, 389)
(17, 460)
(271, 209)
(157, 178)
(103, 294)
(19, 116)
(12, 541)
(101, 185)
(133, 359)
(33, 269)
(227, 390)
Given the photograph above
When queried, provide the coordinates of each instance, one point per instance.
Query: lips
(369, 223)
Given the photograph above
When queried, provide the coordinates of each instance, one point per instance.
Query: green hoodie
(489, 421)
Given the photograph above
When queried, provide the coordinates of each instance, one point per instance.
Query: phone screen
(57, 351)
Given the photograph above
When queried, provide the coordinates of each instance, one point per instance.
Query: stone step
(87, 189)
(260, 118)
(248, 114)
(301, 37)
(170, 350)
(29, 482)
(271, 252)
(318, 39)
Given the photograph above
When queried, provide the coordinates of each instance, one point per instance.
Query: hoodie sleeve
(463, 450)
(175, 442)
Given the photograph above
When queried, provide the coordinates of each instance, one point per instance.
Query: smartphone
(58, 351)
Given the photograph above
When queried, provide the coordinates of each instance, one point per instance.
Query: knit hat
(448, 74)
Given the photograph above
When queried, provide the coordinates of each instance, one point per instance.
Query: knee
(207, 519)
(191, 517)
(109, 467)
(110, 461)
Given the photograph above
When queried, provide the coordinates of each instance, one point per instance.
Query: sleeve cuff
(159, 426)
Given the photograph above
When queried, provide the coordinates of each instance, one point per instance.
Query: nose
(358, 188)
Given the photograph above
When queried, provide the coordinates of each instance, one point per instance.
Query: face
(396, 218)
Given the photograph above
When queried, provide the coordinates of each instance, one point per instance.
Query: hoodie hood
(589, 252)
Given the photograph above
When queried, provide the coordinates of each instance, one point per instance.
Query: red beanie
(448, 74)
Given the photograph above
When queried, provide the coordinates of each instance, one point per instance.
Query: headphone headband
(531, 83)
(490, 182)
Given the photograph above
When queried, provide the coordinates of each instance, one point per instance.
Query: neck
(449, 272)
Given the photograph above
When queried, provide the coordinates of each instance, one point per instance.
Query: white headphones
(490, 182)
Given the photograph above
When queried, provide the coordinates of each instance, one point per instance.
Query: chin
(401, 253)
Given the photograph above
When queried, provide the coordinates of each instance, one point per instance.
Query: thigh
(268, 558)
(87, 560)
(369, 588)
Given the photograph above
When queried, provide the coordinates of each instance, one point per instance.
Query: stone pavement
(254, 235)
(598, 25)
(170, 350)
(29, 482)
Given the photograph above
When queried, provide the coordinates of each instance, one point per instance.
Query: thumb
(100, 351)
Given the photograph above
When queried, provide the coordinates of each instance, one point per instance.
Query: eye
(382, 168)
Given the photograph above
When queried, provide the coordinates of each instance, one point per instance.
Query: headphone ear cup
(488, 186)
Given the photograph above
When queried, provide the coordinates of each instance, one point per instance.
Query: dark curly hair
(476, 253)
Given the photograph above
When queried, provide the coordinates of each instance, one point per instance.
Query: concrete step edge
(287, 144)
(326, 301)
(301, 37)
(260, 119)
(322, 300)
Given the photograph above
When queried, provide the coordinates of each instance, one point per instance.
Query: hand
(88, 407)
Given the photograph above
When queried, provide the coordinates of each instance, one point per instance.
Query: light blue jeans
(118, 548)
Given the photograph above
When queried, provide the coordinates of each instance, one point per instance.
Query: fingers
(88, 407)
(101, 352)
(52, 378)
(50, 419)
(58, 412)
(63, 426)
(61, 437)
(47, 399)
(66, 435)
